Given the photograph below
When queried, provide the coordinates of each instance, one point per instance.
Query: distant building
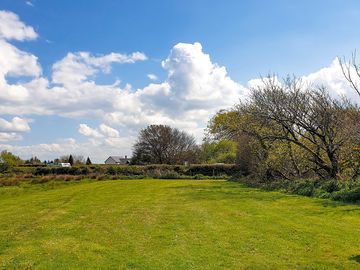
(65, 164)
(117, 160)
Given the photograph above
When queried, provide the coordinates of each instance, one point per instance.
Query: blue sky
(248, 38)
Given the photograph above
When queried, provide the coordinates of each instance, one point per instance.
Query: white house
(117, 160)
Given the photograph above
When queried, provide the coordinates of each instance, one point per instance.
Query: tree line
(289, 129)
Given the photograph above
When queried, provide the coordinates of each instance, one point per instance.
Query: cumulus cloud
(193, 77)
(14, 62)
(332, 78)
(194, 90)
(12, 28)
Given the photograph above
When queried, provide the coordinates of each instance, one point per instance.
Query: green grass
(172, 224)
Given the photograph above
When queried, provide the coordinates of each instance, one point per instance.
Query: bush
(352, 195)
(199, 176)
(346, 191)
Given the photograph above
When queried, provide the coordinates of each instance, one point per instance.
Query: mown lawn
(173, 224)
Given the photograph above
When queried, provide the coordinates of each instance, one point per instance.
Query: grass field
(173, 224)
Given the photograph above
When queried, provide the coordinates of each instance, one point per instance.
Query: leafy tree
(161, 144)
(222, 151)
(291, 130)
(300, 116)
(88, 161)
(8, 161)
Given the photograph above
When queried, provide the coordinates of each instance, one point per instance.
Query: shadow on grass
(355, 258)
(335, 204)
(227, 192)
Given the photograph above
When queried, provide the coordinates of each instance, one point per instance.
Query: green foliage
(222, 151)
(292, 131)
(346, 191)
(149, 170)
(8, 161)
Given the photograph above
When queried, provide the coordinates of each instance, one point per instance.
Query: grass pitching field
(173, 224)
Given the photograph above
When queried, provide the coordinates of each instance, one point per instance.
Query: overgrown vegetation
(45, 174)
(290, 131)
(346, 191)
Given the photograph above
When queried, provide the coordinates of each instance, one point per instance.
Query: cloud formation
(76, 68)
(331, 77)
(12, 28)
(194, 89)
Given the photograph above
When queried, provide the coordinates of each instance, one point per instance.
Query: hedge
(148, 170)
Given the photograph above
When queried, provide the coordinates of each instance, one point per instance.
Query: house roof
(119, 158)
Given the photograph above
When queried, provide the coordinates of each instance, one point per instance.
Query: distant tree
(161, 144)
(71, 160)
(33, 161)
(62, 159)
(8, 161)
(88, 161)
(78, 159)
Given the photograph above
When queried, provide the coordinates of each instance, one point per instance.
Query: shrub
(352, 195)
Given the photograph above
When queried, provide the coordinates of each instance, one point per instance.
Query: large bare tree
(161, 144)
(303, 116)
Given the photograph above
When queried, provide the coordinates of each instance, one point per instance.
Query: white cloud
(194, 90)
(109, 131)
(29, 3)
(332, 78)
(17, 124)
(14, 62)
(255, 83)
(9, 130)
(194, 78)
(12, 28)
(88, 131)
(152, 77)
(76, 68)
(100, 132)
(9, 136)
